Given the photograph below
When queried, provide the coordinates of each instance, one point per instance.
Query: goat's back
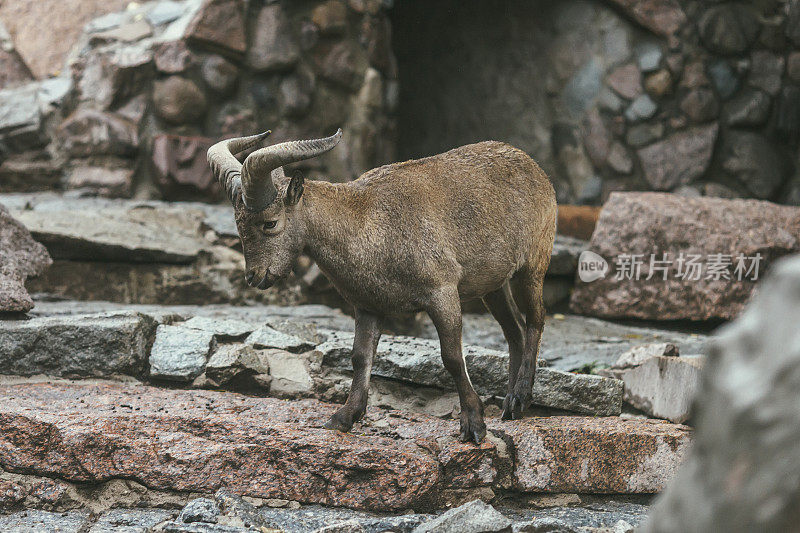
(486, 207)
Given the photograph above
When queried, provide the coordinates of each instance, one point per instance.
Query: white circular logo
(591, 266)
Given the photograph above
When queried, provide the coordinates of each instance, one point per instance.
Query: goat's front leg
(368, 333)
(446, 315)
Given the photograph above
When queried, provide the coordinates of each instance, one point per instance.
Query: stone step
(96, 345)
(569, 342)
(67, 339)
(419, 361)
(129, 343)
(200, 441)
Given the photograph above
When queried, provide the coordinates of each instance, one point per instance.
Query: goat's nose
(250, 275)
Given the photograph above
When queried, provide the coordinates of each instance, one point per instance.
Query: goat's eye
(269, 225)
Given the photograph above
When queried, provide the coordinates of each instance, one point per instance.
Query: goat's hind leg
(527, 286)
(501, 304)
(365, 344)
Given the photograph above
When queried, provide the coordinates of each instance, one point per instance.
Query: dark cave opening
(471, 71)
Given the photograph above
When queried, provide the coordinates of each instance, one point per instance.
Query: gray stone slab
(268, 337)
(34, 520)
(110, 235)
(419, 361)
(130, 520)
(572, 342)
(664, 387)
(180, 353)
(97, 345)
(229, 328)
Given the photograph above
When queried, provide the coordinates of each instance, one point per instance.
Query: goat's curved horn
(225, 166)
(258, 187)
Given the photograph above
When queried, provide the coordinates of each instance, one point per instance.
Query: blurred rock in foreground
(744, 471)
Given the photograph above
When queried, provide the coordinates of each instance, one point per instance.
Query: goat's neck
(332, 225)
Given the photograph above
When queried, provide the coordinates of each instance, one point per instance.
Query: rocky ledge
(193, 441)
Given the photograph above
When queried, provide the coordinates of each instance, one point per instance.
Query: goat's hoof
(473, 430)
(513, 405)
(336, 423)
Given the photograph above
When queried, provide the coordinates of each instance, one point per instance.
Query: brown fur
(422, 235)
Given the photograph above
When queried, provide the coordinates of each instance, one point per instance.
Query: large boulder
(20, 257)
(716, 249)
(743, 472)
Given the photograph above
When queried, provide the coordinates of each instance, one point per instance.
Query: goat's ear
(295, 189)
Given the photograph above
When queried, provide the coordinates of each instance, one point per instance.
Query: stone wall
(151, 87)
(700, 98)
(688, 96)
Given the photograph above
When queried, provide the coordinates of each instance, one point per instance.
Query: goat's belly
(477, 286)
(408, 290)
(486, 273)
(383, 296)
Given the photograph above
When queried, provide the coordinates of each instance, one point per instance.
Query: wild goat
(475, 222)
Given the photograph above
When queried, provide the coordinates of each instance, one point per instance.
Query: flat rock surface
(256, 315)
(45, 522)
(107, 235)
(200, 441)
(713, 230)
(573, 342)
